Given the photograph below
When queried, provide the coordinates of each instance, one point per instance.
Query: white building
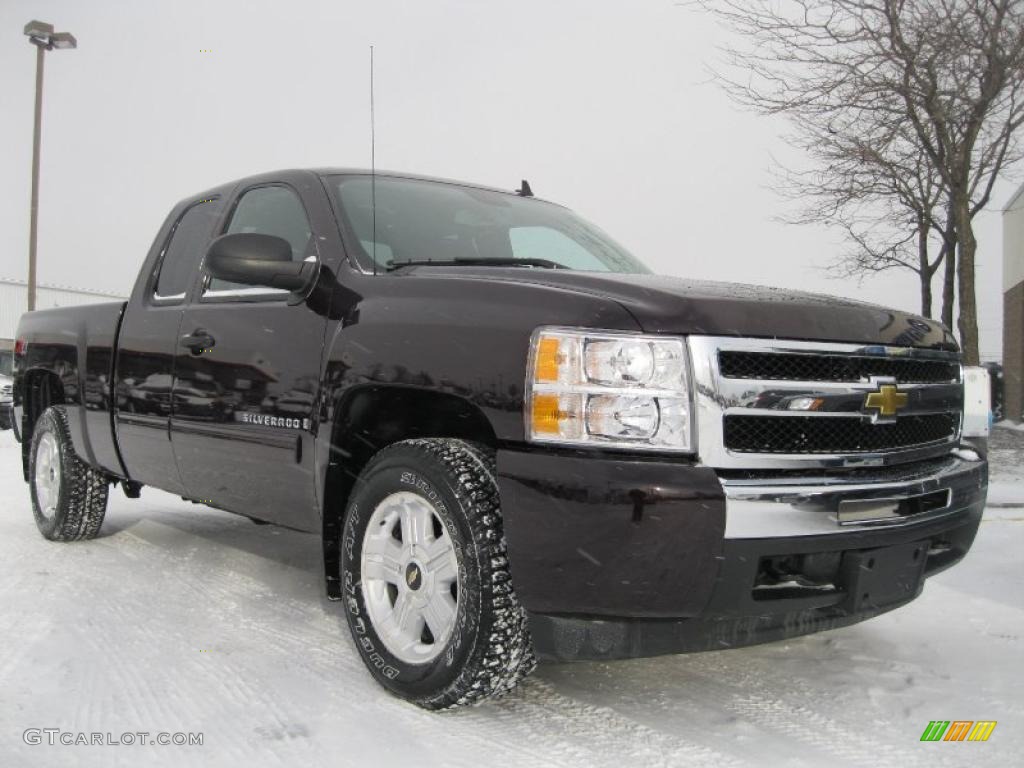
(1013, 305)
(14, 300)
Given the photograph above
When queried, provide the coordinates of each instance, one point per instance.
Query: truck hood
(674, 305)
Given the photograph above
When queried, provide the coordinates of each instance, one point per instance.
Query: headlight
(613, 390)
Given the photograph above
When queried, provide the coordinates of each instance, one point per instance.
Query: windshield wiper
(479, 262)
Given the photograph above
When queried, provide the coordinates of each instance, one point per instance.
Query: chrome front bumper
(809, 504)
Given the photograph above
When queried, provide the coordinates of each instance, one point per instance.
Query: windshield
(6, 364)
(429, 221)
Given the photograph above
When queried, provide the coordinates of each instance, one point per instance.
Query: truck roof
(222, 189)
(404, 175)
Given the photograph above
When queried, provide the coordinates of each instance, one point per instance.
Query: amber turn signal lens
(547, 415)
(549, 358)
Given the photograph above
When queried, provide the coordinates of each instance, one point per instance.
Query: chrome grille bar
(926, 424)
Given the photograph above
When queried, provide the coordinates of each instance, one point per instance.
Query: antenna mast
(373, 169)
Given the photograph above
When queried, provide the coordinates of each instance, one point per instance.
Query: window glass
(185, 250)
(394, 220)
(548, 243)
(6, 364)
(270, 211)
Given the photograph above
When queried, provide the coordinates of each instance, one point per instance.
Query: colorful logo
(958, 730)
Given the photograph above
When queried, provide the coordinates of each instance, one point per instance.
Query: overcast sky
(603, 106)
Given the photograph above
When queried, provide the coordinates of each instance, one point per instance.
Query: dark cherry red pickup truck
(514, 440)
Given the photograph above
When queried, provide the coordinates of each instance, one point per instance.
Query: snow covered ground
(183, 619)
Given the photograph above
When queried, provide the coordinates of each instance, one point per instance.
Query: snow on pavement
(1006, 486)
(182, 618)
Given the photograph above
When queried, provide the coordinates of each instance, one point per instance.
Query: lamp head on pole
(40, 33)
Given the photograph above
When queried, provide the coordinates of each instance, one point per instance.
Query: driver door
(244, 397)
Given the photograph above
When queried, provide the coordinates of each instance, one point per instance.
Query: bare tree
(940, 80)
(880, 245)
(884, 195)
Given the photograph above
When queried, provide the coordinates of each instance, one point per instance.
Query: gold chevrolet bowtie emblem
(888, 399)
(412, 576)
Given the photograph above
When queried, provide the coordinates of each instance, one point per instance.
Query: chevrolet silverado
(512, 439)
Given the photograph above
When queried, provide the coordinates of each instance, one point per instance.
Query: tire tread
(505, 655)
(83, 488)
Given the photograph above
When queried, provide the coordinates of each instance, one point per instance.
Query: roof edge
(1014, 198)
(68, 288)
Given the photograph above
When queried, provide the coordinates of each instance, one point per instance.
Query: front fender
(465, 337)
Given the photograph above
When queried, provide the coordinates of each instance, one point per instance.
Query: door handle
(198, 340)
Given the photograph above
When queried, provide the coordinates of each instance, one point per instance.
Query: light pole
(42, 36)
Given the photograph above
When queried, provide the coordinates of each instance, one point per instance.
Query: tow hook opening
(784, 577)
(941, 553)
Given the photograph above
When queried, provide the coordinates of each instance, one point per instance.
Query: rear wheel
(69, 498)
(428, 594)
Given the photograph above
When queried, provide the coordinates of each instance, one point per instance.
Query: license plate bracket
(874, 578)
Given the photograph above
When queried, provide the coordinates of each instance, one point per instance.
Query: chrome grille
(6, 389)
(775, 404)
(781, 366)
(835, 434)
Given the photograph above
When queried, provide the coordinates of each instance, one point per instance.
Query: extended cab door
(148, 344)
(247, 374)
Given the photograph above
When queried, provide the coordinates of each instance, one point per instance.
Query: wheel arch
(42, 388)
(369, 418)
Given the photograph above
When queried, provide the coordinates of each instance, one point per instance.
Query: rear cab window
(184, 250)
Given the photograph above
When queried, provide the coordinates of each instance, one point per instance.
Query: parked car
(6, 388)
(512, 439)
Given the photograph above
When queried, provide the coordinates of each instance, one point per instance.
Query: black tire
(81, 501)
(489, 650)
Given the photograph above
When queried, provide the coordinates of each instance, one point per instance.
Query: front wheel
(69, 498)
(428, 593)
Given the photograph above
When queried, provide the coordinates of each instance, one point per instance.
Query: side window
(185, 250)
(269, 211)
